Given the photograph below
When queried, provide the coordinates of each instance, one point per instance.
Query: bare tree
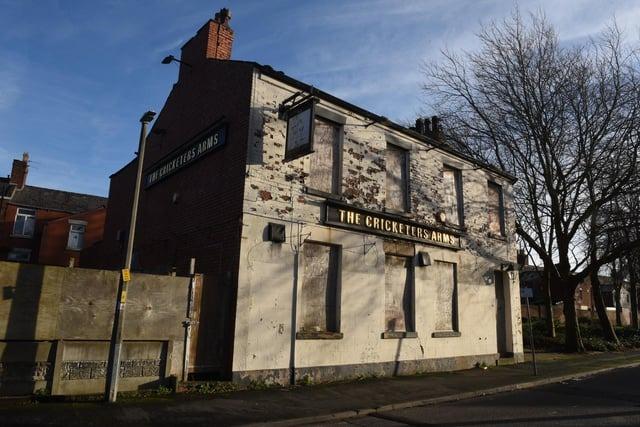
(564, 120)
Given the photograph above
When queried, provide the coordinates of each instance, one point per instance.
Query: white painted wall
(274, 193)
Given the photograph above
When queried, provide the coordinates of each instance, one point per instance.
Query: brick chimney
(213, 41)
(19, 171)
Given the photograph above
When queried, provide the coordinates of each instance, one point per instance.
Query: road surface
(610, 399)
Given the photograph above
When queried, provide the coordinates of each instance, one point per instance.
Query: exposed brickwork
(9, 241)
(363, 176)
(55, 236)
(214, 40)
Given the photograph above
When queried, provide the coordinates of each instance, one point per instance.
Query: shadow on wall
(25, 362)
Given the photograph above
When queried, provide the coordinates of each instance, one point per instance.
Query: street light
(115, 347)
(170, 58)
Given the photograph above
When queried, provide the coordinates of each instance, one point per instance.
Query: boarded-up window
(496, 209)
(396, 184)
(319, 294)
(453, 195)
(324, 171)
(446, 296)
(398, 277)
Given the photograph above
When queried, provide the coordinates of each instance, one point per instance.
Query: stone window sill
(457, 227)
(446, 334)
(21, 236)
(394, 334)
(318, 335)
(500, 237)
(403, 214)
(319, 193)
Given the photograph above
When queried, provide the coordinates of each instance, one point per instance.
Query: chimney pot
(420, 125)
(427, 126)
(435, 124)
(223, 16)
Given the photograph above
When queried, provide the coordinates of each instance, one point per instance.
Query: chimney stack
(19, 171)
(213, 41)
(436, 132)
(522, 257)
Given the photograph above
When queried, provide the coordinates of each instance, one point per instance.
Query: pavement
(316, 404)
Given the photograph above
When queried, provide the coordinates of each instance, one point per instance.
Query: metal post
(533, 346)
(187, 321)
(115, 347)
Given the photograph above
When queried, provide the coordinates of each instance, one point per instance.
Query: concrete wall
(265, 344)
(55, 326)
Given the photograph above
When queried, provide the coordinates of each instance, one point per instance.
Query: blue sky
(75, 75)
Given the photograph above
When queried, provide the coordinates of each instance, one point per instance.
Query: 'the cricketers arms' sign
(388, 225)
(193, 151)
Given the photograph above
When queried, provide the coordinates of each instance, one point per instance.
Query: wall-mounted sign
(200, 146)
(384, 224)
(300, 130)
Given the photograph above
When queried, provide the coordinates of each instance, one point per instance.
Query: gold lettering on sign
(350, 217)
(395, 227)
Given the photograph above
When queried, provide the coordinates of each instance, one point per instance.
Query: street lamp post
(115, 347)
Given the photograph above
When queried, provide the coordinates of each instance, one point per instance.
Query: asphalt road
(610, 399)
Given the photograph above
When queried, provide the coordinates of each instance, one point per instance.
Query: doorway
(501, 320)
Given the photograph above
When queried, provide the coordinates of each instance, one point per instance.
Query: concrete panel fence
(56, 323)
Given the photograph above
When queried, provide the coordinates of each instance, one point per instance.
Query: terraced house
(334, 242)
(47, 226)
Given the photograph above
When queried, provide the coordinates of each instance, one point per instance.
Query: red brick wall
(55, 235)
(7, 241)
(204, 222)
(109, 253)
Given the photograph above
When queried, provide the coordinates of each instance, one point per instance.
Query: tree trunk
(633, 277)
(617, 292)
(573, 339)
(548, 303)
(608, 332)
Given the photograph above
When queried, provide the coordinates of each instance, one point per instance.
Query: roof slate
(56, 200)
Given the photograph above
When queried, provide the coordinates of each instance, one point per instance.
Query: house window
(453, 204)
(399, 294)
(446, 315)
(76, 237)
(319, 299)
(397, 179)
(496, 210)
(25, 223)
(324, 174)
(19, 254)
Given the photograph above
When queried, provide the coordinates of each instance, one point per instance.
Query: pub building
(334, 243)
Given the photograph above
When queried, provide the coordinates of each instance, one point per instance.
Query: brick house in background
(532, 277)
(43, 225)
(381, 250)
